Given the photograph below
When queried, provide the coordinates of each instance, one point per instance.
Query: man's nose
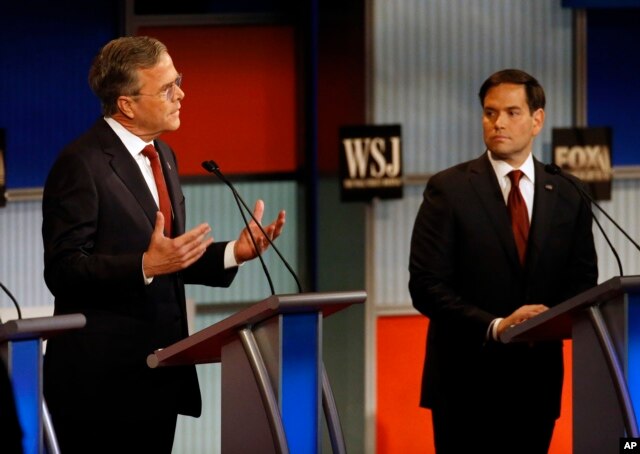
(499, 121)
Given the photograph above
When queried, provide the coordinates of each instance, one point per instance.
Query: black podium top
(557, 321)
(205, 346)
(44, 327)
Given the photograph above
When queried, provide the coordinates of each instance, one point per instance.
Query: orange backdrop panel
(240, 103)
(403, 427)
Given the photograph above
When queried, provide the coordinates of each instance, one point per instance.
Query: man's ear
(125, 105)
(538, 121)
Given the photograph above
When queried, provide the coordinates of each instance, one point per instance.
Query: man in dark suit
(116, 250)
(485, 257)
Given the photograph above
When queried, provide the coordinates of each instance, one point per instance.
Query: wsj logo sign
(367, 156)
(585, 153)
(370, 162)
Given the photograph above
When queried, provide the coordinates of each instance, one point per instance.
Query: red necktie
(163, 194)
(519, 215)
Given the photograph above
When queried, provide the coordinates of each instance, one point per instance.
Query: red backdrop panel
(240, 102)
(403, 427)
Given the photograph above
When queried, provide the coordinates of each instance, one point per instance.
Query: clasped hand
(168, 255)
(520, 315)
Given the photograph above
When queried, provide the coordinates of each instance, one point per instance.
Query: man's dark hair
(114, 69)
(533, 89)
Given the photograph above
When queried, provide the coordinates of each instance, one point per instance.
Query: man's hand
(244, 249)
(168, 255)
(520, 315)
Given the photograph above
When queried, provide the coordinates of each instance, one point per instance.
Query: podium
(21, 344)
(604, 325)
(273, 380)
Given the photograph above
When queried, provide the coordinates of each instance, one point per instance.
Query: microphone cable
(15, 303)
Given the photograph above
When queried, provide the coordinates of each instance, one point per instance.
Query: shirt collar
(501, 168)
(133, 143)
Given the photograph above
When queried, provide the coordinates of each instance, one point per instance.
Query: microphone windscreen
(210, 166)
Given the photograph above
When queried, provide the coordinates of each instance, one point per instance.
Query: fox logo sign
(585, 153)
(370, 162)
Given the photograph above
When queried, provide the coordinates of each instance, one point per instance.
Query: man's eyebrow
(169, 84)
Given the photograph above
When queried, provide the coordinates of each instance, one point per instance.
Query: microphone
(212, 167)
(553, 169)
(15, 303)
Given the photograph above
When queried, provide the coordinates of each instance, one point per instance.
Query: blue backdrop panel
(46, 49)
(25, 371)
(633, 350)
(300, 382)
(613, 88)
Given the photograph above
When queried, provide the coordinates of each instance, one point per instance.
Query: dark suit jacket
(98, 216)
(464, 272)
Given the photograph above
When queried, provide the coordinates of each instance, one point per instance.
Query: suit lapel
(126, 168)
(484, 182)
(544, 202)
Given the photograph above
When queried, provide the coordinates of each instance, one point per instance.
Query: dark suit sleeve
(432, 266)
(209, 270)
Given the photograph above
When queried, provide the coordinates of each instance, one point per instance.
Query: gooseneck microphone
(212, 167)
(553, 169)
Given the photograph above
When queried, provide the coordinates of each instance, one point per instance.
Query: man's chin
(173, 125)
(499, 153)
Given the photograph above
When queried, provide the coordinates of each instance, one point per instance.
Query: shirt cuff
(147, 280)
(492, 332)
(229, 256)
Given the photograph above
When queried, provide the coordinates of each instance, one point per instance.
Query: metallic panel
(429, 59)
(22, 257)
(216, 205)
